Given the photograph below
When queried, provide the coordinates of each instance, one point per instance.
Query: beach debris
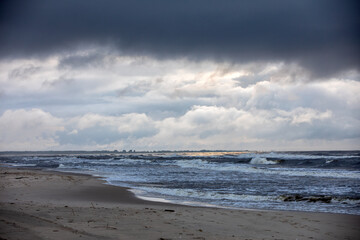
(169, 210)
(20, 177)
(313, 199)
(110, 227)
(107, 227)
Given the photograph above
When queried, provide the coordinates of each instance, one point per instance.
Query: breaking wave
(261, 160)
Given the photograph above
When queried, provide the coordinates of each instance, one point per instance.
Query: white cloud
(127, 123)
(200, 127)
(29, 130)
(301, 115)
(102, 100)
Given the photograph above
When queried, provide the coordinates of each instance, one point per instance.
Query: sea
(317, 181)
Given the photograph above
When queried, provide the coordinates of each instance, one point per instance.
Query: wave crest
(260, 160)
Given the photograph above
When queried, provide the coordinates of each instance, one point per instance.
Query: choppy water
(306, 181)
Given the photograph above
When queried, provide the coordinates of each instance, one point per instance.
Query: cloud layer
(321, 36)
(95, 100)
(191, 74)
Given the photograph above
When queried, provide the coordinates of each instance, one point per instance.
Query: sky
(179, 75)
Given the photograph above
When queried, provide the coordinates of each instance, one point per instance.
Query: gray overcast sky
(321, 35)
(162, 74)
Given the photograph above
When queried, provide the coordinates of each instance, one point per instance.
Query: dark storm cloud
(321, 35)
(23, 71)
(75, 61)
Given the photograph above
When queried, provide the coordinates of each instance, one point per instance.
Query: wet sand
(36, 204)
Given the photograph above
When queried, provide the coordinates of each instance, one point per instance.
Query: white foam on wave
(140, 194)
(195, 194)
(195, 163)
(347, 201)
(119, 162)
(22, 164)
(261, 160)
(246, 168)
(290, 156)
(205, 165)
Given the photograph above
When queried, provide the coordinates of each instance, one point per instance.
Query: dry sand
(38, 204)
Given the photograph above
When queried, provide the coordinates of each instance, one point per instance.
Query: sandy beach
(36, 204)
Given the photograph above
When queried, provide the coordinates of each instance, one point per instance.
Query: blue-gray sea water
(304, 181)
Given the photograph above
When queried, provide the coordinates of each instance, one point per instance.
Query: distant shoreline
(163, 151)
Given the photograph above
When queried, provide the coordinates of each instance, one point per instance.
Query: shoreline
(181, 203)
(41, 204)
(259, 183)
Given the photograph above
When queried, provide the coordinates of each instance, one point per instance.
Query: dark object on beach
(296, 198)
(169, 210)
(325, 199)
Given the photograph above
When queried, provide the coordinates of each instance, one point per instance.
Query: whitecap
(261, 160)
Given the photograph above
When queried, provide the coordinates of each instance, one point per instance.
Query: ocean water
(300, 181)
